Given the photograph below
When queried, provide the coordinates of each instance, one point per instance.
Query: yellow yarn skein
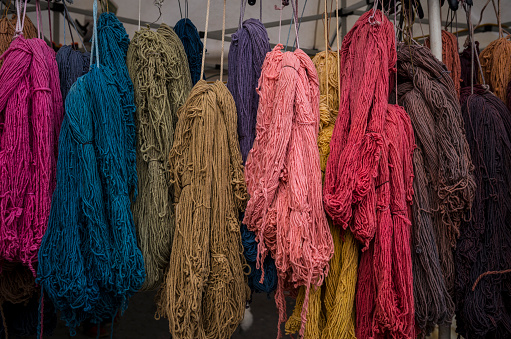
(331, 311)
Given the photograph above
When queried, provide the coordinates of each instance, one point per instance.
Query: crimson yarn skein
(284, 177)
(368, 55)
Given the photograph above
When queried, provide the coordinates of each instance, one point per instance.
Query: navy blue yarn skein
(248, 49)
(187, 32)
(72, 65)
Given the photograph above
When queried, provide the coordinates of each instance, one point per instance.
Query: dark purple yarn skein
(246, 56)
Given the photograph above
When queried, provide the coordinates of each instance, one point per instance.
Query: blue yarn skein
(187, 32)
(248, 49)
(90, 264)
(114, 42)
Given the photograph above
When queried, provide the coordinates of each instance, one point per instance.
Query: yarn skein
(205, 290)
(349, 191)
(161, 79)
(89, 262)
(248, 49)
(284, 177)
(451, 57)
(482, 302)
(112, 35)
(72, 64)
(31, 106)
(443, 185)
(496, 67)
(334, 315)
(189, 35)
(384, 301)
(466, 66)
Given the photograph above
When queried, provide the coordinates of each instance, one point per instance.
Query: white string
(139, 7)
(205, 42)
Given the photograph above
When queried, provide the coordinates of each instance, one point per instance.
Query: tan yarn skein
(331, 312)
(205, 291)
(496, 66)
(161, 80)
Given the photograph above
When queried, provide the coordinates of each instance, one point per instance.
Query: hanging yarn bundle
(8, 29)
(331, 312)
(205, 291)
(362, 188)
(115, 41)
(248, 49)
(31, 112)
(161, 79)
(284, 177)
(496, 67)
(89, 263)
(443, 184)
(482, 252)
(468, 69)
(451, 57)
(187, 32)
(72, 64)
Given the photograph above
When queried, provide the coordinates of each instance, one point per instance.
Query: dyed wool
(7, 32)
(31, 112)
(496, 67)
(161, 78)
(246, 56)
(331, 312)
(72, 64)
(385, 304)
(466, 65)
(367, 56)
(482, 301)
(205, 291)
(115, 41)
(284, 177)
(451, 58)
(187, 32)
(89, 263)
(443, 185)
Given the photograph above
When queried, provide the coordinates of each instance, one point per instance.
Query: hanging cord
(139, 9)
(205, 41)
(95, 34)
(49, 23)
(20, 19)
(6, 9)
(300, 22)
(223, 43)
(70, 22)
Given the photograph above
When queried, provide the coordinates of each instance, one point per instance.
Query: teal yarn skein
(90, 264)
